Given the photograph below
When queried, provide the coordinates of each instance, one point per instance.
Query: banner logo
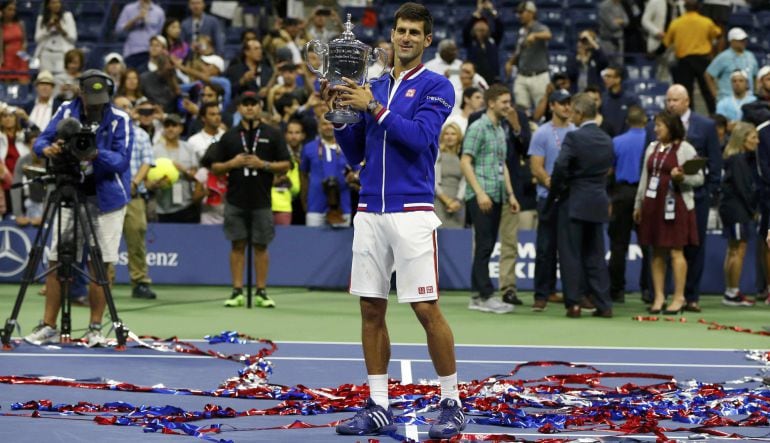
(14, 250)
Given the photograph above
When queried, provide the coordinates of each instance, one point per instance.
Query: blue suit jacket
(579, 177)
(210, 26)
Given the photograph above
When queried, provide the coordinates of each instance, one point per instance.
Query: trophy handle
(380, 55)
(322, 51)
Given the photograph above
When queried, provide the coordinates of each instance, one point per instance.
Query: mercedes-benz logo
(13, 258)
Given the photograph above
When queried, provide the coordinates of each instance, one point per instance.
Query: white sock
(731, 292)
(378, 390)
(449, 387)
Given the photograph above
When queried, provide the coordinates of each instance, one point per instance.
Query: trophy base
(342, 116)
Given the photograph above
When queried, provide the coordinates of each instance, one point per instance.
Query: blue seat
(648, 87)
(550, 3)
(559, 41)
(640, 72)
(582, 19)
(552, 17)
(744, 20)
(558, 58)
(584, 4)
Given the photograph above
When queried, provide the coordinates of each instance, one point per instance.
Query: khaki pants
(528, 220)
(135, 230)
(529, 90)
(509, 248)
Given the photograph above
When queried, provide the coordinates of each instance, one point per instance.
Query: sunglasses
(146, 111)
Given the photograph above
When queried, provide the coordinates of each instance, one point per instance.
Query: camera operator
(103, 177)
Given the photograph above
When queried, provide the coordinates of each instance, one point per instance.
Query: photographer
(102, 175)
(584, 67)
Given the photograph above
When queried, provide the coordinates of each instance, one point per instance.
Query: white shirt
(440, 66)
(41, 114)
(201, 141)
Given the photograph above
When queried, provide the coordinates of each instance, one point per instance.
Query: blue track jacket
(400, 145)
(115, 140)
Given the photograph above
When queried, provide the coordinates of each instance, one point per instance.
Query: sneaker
(94, 336)
(236, 299)
(492, 304)
(262, 300)
(511, 298)
(370, 420)
(42, 335)
(450, 422)
(142, 290)
(738, 300)
(539, 305)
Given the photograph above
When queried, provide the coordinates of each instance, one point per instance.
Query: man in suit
(702, 134)
(201, 23)
(579, 190)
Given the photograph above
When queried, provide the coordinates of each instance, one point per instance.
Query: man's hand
(353, 95)
(453, 206)
(485, 203)
(53, 150)
(513, 120)
(637, 216)
(514, 204)
(248, 76)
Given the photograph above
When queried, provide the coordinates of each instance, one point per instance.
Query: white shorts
(404, 242)
(108, 226)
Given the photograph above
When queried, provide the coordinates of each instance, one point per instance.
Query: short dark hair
(205, 107)
(494, 92)
(415, 12)
(720, 120)
(593, 88)
(619, 71)
(295, 121)
(674, 124)
(636, 116)
(467, 94)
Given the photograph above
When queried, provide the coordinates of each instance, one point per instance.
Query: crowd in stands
(183, 79)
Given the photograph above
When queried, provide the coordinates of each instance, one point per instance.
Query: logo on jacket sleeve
(410, 93)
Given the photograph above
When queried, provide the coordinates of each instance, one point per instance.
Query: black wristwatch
(372, 105)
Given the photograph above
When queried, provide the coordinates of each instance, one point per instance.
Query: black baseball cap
(559, 95)
(95, 87)
(248, 96)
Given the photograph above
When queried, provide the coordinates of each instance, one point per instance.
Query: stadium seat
(583, 19)
(744, 20)
(584, 4)
(559, 40)
(550, 3)
(552, 17)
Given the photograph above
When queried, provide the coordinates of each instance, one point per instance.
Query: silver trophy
(344, 57)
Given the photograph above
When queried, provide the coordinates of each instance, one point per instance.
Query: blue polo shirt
(728, 61)
(320, 161)
(546, 142)
(629, 153)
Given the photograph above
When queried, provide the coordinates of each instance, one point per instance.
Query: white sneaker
(492, 304)
(737, 300)
(42, 335)
(94, 337)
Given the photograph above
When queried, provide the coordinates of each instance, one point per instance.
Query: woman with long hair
(177, 47)
(665, 208)
(12, 146)
(55, 34)
(738, 206)
(130, 86)
(450, 182)
(67, 80)
(14, 45)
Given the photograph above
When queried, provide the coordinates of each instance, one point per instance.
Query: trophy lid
(348, 33)
(347, 38)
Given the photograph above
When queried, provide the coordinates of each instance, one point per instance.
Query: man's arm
(710, 75)
(537, 166)
(561, 168)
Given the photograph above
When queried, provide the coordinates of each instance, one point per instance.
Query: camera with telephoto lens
(78, 145)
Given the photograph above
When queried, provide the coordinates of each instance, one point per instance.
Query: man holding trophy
(393, 126)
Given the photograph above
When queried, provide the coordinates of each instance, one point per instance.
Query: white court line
(608, 435)
(406, 378)
(359, 359)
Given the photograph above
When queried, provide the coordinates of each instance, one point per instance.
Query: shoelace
(447, 414)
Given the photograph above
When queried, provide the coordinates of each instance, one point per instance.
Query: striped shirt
(485, 142)
(142, 154)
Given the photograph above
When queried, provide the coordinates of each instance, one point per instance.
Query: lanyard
(254, 146)
(556, 137)
(659, 160)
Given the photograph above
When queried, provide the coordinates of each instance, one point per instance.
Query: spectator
(664, 208)
(472, 101)
(211, 72)
(730, 106)
(295, 140)
(612, 22)
(633, 34)
(27, 201)
(161, 87)
(325, 24)
(66, 82)
(211, 94)
(379, 69)
(135, 223)
(482, 43)
(629, 151)
(211, 118)
(738, 206)
(736, 57)
(595, 93)
(201, 23)
(719, 11)
(531, 58)
(130, 87)
(691, 35)
(450, 183)
(468, 78)
(43, 108)
(559, 80)
(158, 48)
(175, 203)
(172, 32)
(290, 36)
(252, 71)
(763, 169)
(324, 172)
(584, 67)
(149, 116)
(445, 62)
(139, 21)
(114, 67)
(14, 61)
(12, 146)
(55, 34)
(579, 183)
(287, 187)
(656, 18)
(484, 149)
(543, 151)
(616, 101)
(720, 122)
(249, 154)
(763, 84)
(758, 112)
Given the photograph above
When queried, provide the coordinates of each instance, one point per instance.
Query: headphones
(91, 73)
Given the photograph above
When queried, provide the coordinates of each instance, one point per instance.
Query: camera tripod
(67, 195)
